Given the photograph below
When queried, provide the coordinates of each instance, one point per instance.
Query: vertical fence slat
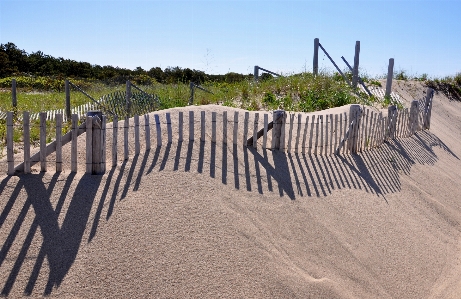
(180, 127)
(103, 143)
(311, 134)
(191, 125)
(26, 120)
(137, 147)
(290, 131)
(158, 129)
(283, 134)
(213, 127)
(202, 126)
(147, 131)
(298, 133)
(114, 140)
(317, 134)
(255, 131)
(42, 141)
(169, 128)
(245, 128)
(321, 134)
(89, 144)
(9, 142)
(126, 125)
(331, 134)
(58, 142)
(73, 150)
(346, 127)
(224, 127)
(305, 135)
(336, 134)
(327, 134)
(266, 127)
(235, 128)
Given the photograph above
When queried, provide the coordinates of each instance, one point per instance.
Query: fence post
(354, 116)
(9, 142)
(428, 108)
(256, 73)
(68, 112)
(414, 120)
(316, 56)
(355, 74)
(42, 141)
(192, 89)
(96, 137)
(390, 74)
(392, 121)
(279, 116)
(26, 120)
(73, 153)
(127, 119)
(13, 93)
(58, 142)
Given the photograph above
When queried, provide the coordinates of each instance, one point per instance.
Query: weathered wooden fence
(312, 134)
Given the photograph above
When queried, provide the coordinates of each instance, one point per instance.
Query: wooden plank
(202, 126)
(282, 133)
(336, 134)
(89, 144)
(346, 127)
(321, 134)
(73, 153)
(330, 135)
(213, 127)
(224, 127)
(191, 125)
(245, 128)
(369, 130)
(266, 126)
(9, 142)
(43, 141)
(236, 122)
(290, 131)
(317, 134)
(137, 147)
(180, 127)
(298, 133)
(255, 130)
(305, 135)
(26, 122)
(147, 131)
(114, 140)
(338, 149)
(327, 134)
(169, 128)
(126, 125)
(58, 142)
(158, 129)
(311, 135)
(103, 144)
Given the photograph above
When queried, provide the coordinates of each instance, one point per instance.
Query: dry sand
(204, 220)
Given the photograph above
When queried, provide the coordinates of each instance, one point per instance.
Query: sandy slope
(199, 220)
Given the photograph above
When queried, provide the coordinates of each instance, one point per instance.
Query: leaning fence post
(355, 72)
(354, 115)
(68, 112)
(9, 142)
(13, 93)
(390, 74)
(428, 108)
(316, 56)
(414, 120)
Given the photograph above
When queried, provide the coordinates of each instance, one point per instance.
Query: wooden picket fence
(312, 134)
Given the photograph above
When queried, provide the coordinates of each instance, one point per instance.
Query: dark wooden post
(279, 117)
(354, 116)
(428, 108)
(414, 120)
(256, 73)
(316, 56)
(392, 121)
(13, 93)
(390, 74)
(355, 72)
(68, 112)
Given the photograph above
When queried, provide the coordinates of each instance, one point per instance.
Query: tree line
(14, 62)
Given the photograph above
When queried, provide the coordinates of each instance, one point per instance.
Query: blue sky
(232, 36)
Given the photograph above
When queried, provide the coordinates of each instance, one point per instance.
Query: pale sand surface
(204, 220)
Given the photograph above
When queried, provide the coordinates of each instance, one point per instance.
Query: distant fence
(332, 134)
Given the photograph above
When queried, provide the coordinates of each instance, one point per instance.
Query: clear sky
(232, 36)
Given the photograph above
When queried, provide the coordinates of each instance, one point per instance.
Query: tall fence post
(390, 74)
(26, 120)
(355, 72)
(13, 93)
(428, 108)
(192, 89)
(279, 117)
(68, 112)
(316, 57)
(414, 119)
(9, 142)
(43, 141)
(256, 73)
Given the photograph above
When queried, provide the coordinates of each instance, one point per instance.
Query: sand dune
(205, 220)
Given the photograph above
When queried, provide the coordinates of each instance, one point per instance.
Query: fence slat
(158, 129)
(317, 134)
(290, 131)
(147, 131)
(114, 140)
(224, 127)
(282, 134)
(9, 142)
(26, 119)
(245, 128)
(202, 126)
(58, 142)
(255, 131)
(103, 143)
(73, 151)
(236, 122)
(346, 128)
(266, 127)
(331, 134)
(305, 135)
(336, 135)
(191, 125)
(298, 133)
(213, 127)
(89, 145)
(126, 125)
(43, 141)
(311, 135)
(168, 127)
(180, 126)
(137, 147)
